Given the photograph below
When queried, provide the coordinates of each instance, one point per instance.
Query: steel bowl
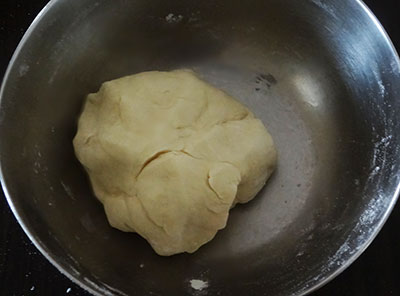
(321, 74)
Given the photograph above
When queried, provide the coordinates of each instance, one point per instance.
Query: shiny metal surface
(323, 77)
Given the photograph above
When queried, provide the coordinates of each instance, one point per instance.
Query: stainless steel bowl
(321, 74)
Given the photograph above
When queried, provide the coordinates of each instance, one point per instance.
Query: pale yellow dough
(169, 155)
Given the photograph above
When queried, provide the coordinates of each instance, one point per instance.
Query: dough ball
(169, 155)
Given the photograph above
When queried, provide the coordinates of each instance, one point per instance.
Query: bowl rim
(92, 287)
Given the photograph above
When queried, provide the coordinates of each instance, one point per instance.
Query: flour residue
(172, 18)
(325, 6)
(395, 66)
(23, 69)
(198, 285)
(382, 88)
(68, 191)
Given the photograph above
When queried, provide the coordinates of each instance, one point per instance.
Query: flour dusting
(198, 284)
(325, 6)
(23, 69)
(172, 18)
(68, 190)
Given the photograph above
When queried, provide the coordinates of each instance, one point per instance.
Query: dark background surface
(24, 271)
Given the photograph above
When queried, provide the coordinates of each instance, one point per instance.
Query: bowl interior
(321, 75)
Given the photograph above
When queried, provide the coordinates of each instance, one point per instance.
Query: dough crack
(190, 155)
(200, 158)
(211, 188)
(129, 215)
(151, 159)
(88, 139)
(203, 109)
(161, 227)
(242, 117)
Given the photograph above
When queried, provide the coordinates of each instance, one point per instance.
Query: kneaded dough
(169, 155)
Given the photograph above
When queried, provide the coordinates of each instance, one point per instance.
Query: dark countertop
(24, 271)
